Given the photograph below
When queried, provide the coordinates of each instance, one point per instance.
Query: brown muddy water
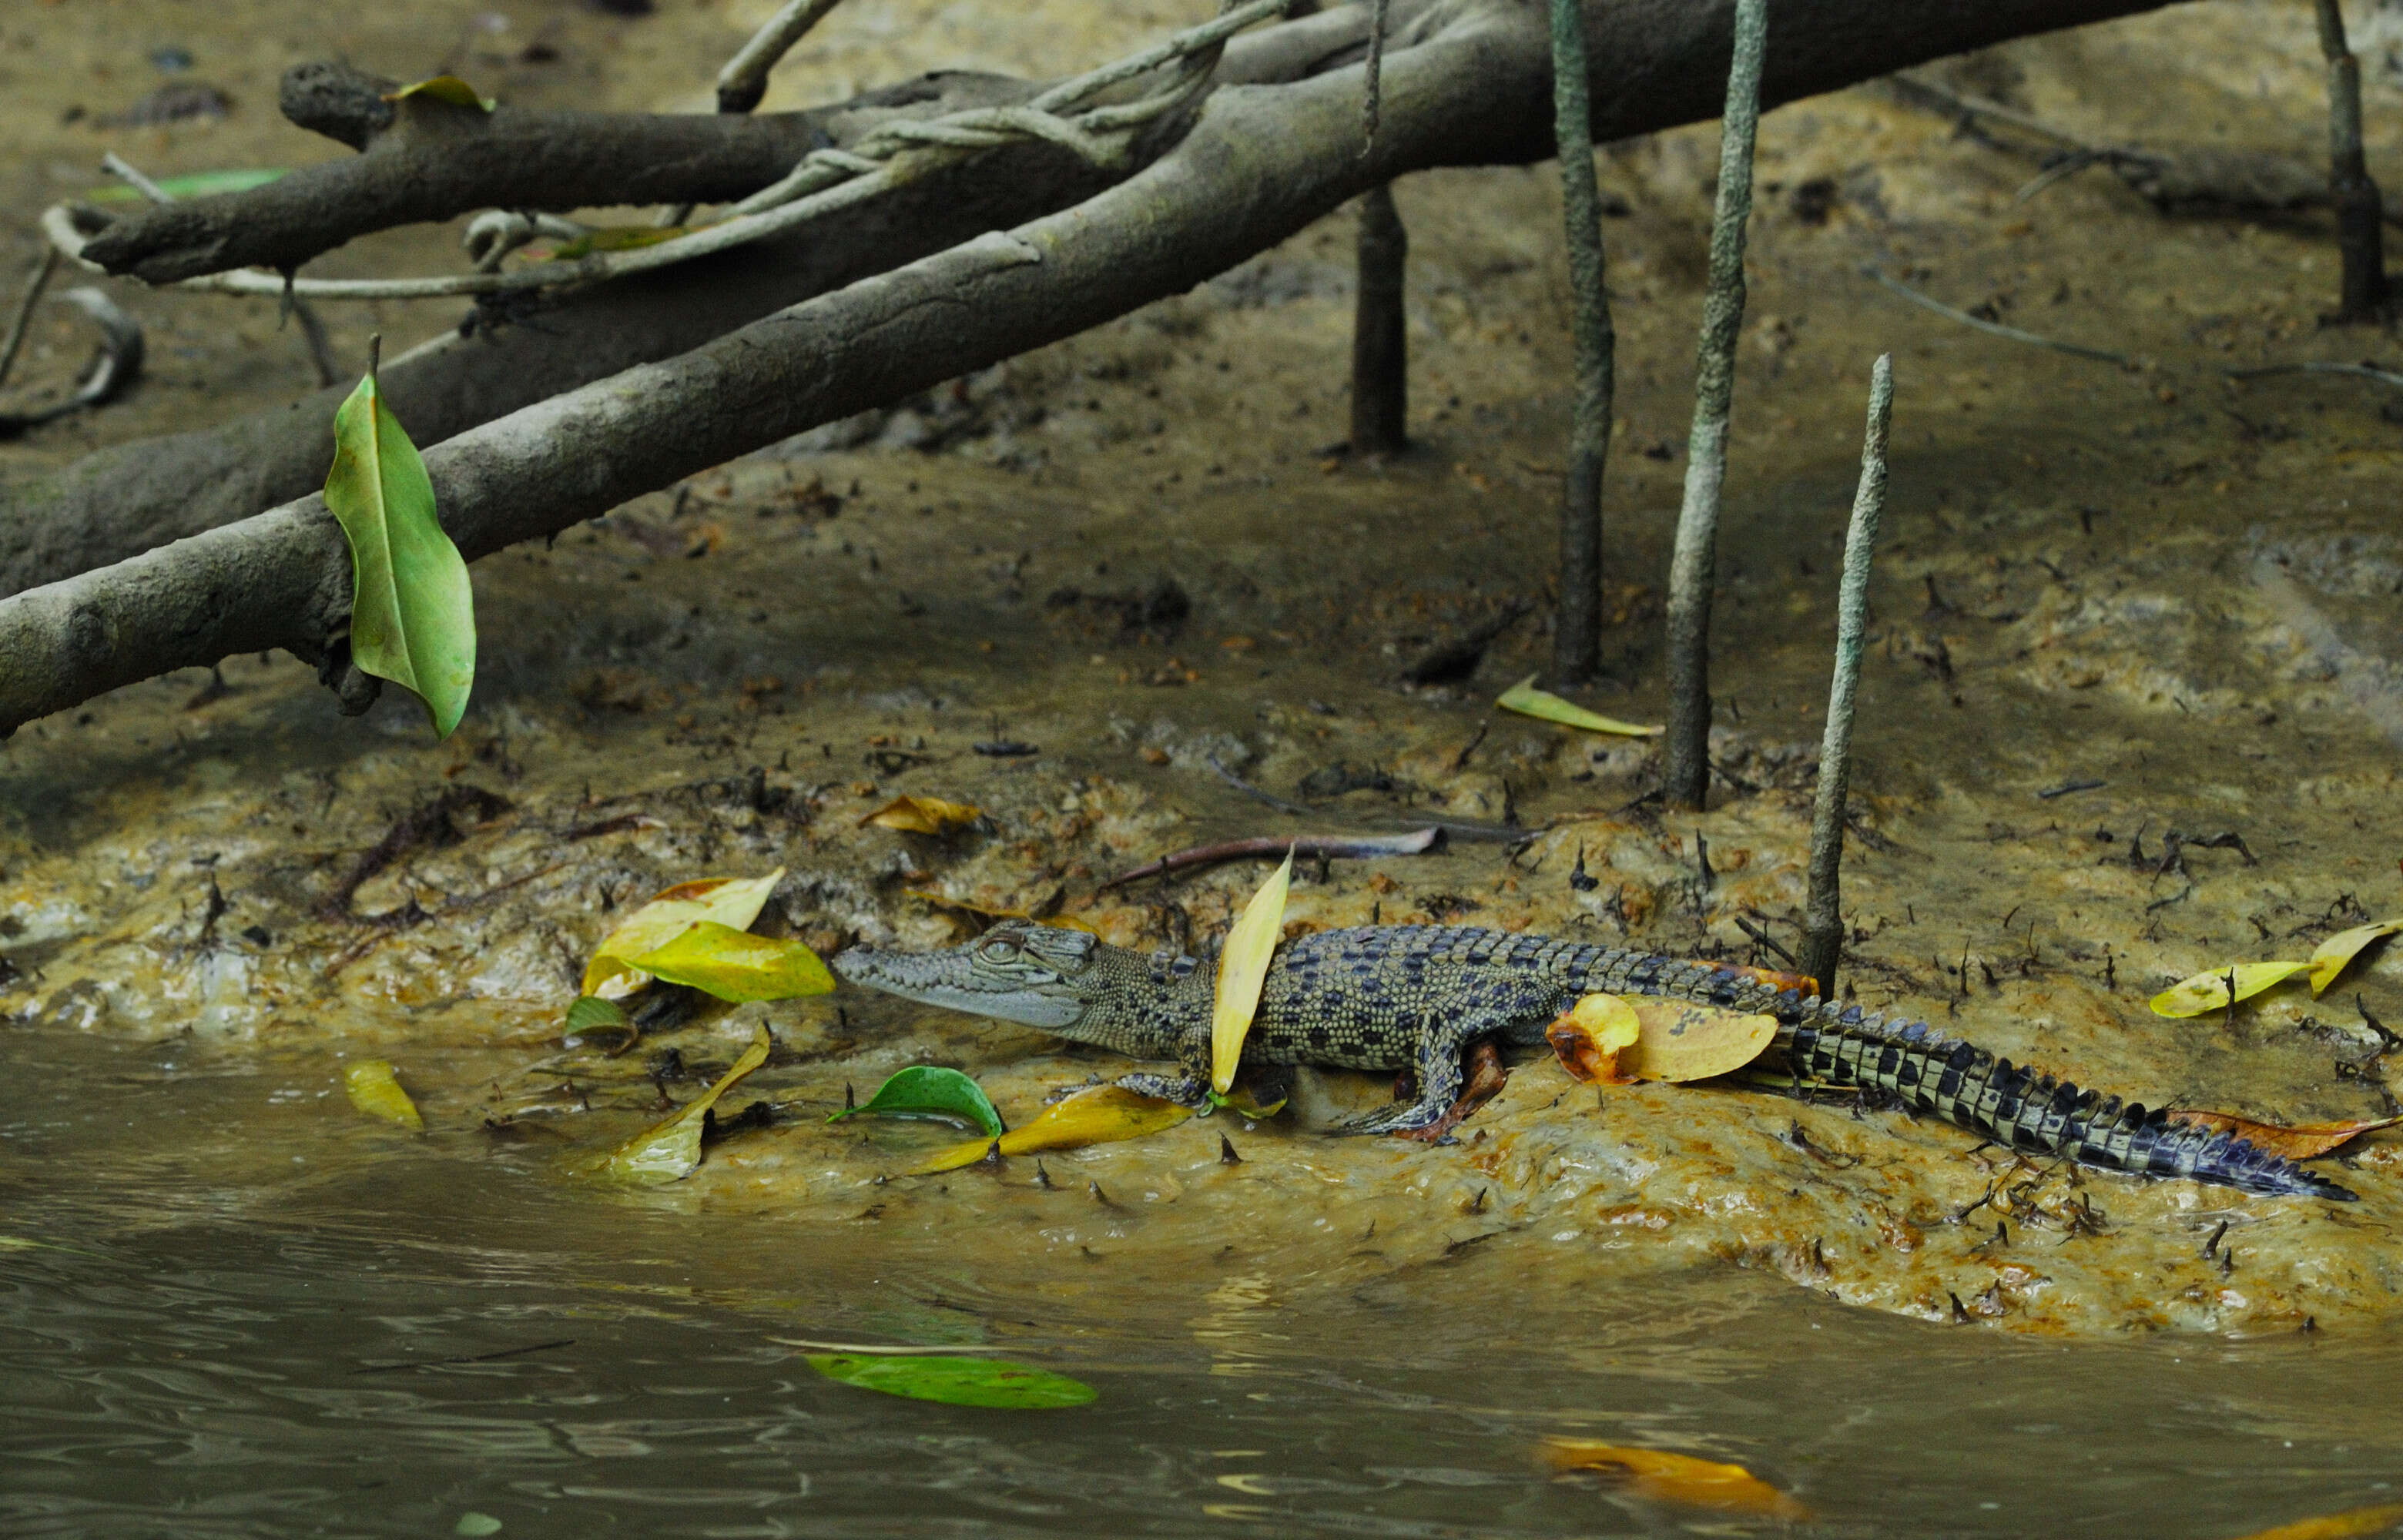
(2120, 612)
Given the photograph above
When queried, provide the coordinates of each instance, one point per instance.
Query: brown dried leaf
(922, 815)
(2295, 1140)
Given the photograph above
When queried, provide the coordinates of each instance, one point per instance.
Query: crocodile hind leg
(1440, 1046)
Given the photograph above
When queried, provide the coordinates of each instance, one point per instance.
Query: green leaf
(198, 184)
(590, 1011)
(444, 88)
(413, 613)
(735, 964)
(957, 1382)
(1526, 700)
(669, 1151)
(922, 1091)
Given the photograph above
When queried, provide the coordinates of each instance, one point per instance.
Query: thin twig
(1577, 632)
(1823, 930)
(1254, 792)
(116, 166)
(1686, 778)
(1376, 71)
(1995, 328)
(17, 325)
(1321, 847)
(744, 79)
(2362, 371)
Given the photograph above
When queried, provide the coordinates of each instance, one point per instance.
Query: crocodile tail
(2015, 1105)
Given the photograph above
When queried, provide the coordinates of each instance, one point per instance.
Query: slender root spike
(2360, 212)
(1823, 927)
(1693, 567)
(1380, 346)
(1576, 635)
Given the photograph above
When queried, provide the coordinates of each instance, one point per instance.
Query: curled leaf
(2222, 987)
(447, 89)
(375, 1089)
(955, 1381)
(929, 1090)
(1589, 1036)
(735, 964)
(730, 902)
(412, 611)
(2330, 957)
(669, 1151)
(1527, 701)
(1680, 1479)
(1103, 1116)
(2295, 1140)
(2337, 1526)
(922, 815)
(1242, 969)
(1682, 1041)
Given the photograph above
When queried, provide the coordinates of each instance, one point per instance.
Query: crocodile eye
(997, 950)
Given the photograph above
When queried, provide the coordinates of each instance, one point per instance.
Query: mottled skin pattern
(1416, 996)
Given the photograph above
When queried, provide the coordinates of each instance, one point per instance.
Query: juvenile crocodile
(1417, 996)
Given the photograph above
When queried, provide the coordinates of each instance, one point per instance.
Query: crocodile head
(1017, 971)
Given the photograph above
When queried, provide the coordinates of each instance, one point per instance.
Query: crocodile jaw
(951, 981)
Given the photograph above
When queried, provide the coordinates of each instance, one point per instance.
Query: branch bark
(1261, 163)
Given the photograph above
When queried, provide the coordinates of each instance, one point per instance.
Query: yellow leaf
(735, 964)
(729, 901)
(1243, 968)
(669, 1151)
(444, 87)
(1101, 1116)
(1683, 1041)
(1591, 1035)
(374, 1090)
(2210, 991)
(1526, 700)
(1668, 1478)
(2295, 1140)
(2332, 955)
(2336, 1526)
(922, 815)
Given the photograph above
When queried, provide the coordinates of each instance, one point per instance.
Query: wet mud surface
(2120, 612)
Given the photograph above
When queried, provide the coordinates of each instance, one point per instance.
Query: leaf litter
(931, 1091)
(1103, 1114)
(1242, 969)
(734, 903)
(670, 1151)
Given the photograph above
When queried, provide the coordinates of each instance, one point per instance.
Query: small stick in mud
(1577, 632)
(1823, 927)
(2360, 233)
(1686, 779)
(35, 285)
(1380, 348)
(1995, 328)
(1323, 847)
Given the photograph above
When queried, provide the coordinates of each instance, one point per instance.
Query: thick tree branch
(1260, 165)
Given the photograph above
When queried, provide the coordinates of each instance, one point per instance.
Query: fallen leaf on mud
(374, 1090)
(1589, 1036)
(956, 1381)
(1243, 968)
(2295, 1140)
(1058, 921)
(1527, 701)
(922, 815)
(2332, 955)
(1103, 1116)
(2211, 990)
(601, 1023)
(1683, 1041)
(444, 87)
(669, 1151)
(732, 902)
(1674, 1478)
(928, 1090)
(2336, 1526)
(735, 964)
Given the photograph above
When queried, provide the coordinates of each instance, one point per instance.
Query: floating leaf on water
(2337, 1526)
(618, 238)
(1668, 1478)
(922, 815)
(2295, 1140)
(941, 901)
(447, 88)
(735, 964)
(1526, 700)
(928, 1090)
(374, 1090)
(732, 902)
(476, 1523)
(956, 1381)
(669, 1151)
(1103, 1116)
(412, 612)
(2210, 991)
(198, 183)
(1589, 1036)
(1243, 968)
(882, 1350)
(2332, 955)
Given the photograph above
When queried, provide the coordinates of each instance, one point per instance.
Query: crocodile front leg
(1185, 1091)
